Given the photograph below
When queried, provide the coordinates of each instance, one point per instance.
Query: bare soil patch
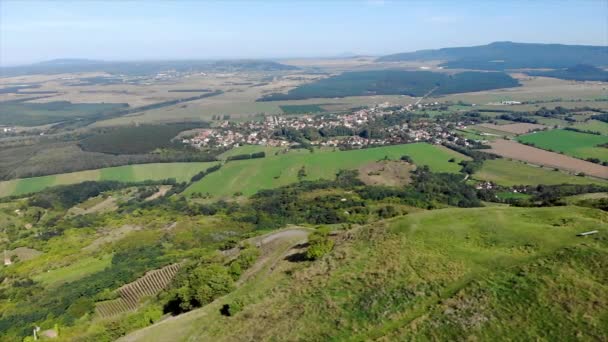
(386, 172)
(22, 253)
(162, 190)
(515, 150)
(111, 236)
(516, 128)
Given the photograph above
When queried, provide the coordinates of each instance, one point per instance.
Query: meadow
(129, 173)
(451, 274)
(575, 144)
(249, 176)
(511, 172)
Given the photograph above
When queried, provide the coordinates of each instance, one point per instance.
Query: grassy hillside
(130, 173)
(250, 176)
(396, 82)
(575, 144)
(511, 172)
(452, 274)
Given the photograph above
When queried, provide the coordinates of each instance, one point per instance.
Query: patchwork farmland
(130, 173)
(575, 144)
(249, 176)
(515, 150)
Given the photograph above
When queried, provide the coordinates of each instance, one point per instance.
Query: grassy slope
(250, 176)
(451, 274)
(75, 271)
(129, 173)
(510, 172)
(580, 145)
(248, 149)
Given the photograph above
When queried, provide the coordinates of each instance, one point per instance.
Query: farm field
(302, 109)
(429, 275)
(593, 125)
(512, 172)
(575, 144)
(250, 176)
(249, 149)
(515, 150)
(515, 128)
(129, 173)
(489, 131)
(242, 106)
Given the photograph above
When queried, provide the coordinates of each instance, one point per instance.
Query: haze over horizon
(37, 31)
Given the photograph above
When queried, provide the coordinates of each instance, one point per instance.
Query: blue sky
(33, 31)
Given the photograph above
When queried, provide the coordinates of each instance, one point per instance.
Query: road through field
(515, 150)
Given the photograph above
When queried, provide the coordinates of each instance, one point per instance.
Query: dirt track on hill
(273, 247)
(515, 150)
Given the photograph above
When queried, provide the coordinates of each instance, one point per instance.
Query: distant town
(278, 130)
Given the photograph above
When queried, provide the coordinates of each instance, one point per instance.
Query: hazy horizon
(32, 32)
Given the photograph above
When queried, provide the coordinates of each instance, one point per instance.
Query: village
(343, 130)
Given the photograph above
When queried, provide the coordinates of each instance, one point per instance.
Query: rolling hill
(509, 55)
(446, 275)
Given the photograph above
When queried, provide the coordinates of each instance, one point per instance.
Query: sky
(32, 31)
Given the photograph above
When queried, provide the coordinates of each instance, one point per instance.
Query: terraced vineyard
(131, 294)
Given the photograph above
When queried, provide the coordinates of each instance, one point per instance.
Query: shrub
(319, 245)
(232, 308)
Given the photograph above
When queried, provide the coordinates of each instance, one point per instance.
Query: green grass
(302, 109)
(575, 144)
(249, 149)
(182, 172)
(250, 176)
(511, 195)
(593, 125)
(75, 271)
(444, 275)
(510, 172)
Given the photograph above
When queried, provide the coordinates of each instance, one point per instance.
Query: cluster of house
(7, 129)
(228, 134)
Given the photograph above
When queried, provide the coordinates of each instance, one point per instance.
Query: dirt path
(161, 192)
(274, 247)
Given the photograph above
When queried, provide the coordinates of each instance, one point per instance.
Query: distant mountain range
(509, 55)
(142, 68)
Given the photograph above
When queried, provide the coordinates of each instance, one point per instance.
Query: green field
(250, 176)
(249, 149)
(575, 144)
(129, 173)
(593, 125)
(510, 172)
(302, 109)
(446, 275)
